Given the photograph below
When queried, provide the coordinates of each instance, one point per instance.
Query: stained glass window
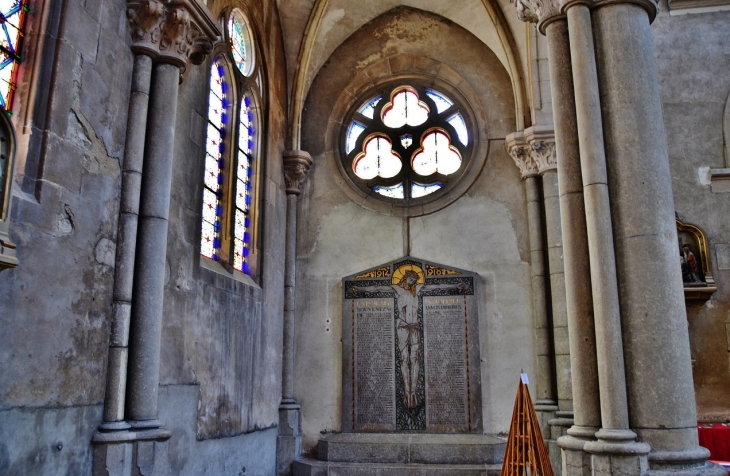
(214, 163)
(437, 156)
(378, 160)
(413, 144)
(244, 171)
(418, 190)
(368, 110)
(405, 108)
(442, 103)
(395, 191)
(240, 40)
(352, 135)
(12, 24)
(457, 121)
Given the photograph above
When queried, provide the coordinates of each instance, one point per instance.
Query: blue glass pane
(442, 102)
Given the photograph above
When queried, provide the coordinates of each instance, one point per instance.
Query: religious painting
(691, 268)
(694, 262)
(408, 347)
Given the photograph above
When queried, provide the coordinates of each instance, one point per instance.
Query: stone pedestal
(400, 454)
(289, 440)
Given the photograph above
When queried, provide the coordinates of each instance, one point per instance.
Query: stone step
(314, 467)
(411, 448)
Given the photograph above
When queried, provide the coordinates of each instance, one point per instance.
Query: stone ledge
(412, 448)
(312, 467)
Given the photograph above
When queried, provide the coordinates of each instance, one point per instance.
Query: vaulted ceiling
(313, 29)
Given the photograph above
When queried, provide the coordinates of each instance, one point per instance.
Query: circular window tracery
(406, 143)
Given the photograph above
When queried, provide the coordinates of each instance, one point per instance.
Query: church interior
(330, 237)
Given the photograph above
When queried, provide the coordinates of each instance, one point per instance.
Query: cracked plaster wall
(222, 338)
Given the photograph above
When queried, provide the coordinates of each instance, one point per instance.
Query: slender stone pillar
(656, 344)
(521, 153)
(542, 143)
(579, 299)
(616, 442)
(170, 35)
(289, 442)
(149, 283)
(127, 245)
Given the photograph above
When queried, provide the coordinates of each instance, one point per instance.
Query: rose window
(406, 143)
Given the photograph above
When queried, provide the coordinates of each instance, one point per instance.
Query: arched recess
(304, 74)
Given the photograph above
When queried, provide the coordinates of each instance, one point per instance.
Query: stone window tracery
(406, 143)
(228, 211)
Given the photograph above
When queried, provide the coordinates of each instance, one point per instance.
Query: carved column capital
(543, 153)
(296, 167)
(542, 147)
(172, 31)
(521, 152)
(539, 12)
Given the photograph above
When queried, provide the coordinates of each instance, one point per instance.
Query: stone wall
(484, 231)
(693, 56)
(221, 347)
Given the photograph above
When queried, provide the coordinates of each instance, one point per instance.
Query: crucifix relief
(410, 349)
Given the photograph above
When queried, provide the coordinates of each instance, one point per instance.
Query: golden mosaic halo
(401, 272)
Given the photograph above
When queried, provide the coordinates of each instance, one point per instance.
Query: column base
(139, 458)
(289, 441)
(545, 410)
(617, 452)
(558, 428)
(575, 460)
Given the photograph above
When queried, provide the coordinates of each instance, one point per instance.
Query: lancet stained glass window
(12, 26)
(241, 232)
(406, 142)
(229, 192)
(210, 242)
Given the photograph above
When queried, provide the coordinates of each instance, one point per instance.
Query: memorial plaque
(445, 330)
(374, 370)
(411, 349)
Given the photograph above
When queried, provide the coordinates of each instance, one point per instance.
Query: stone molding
(172, 31)
(544, 155)
(296, 168)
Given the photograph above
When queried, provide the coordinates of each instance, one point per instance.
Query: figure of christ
(408, 329)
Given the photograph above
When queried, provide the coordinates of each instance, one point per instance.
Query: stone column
(126, 245)
(170, 35)
(616, 442)
(188, 23)
(579, 299)
(542, 145)
(521, 153)
(149, 282)
(656, 344)
(289, 442)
